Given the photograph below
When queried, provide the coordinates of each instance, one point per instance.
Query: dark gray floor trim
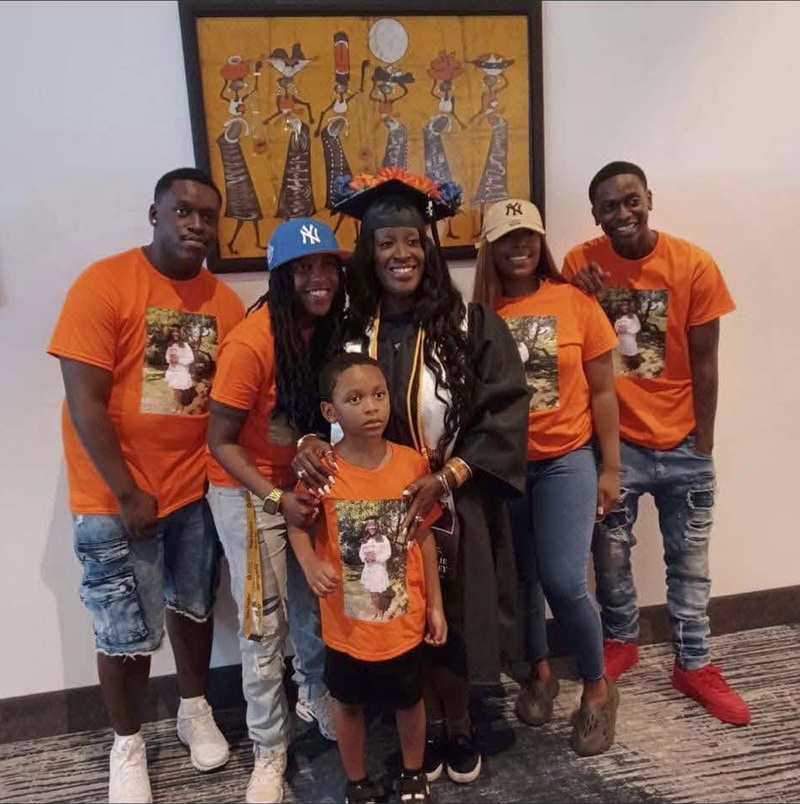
(53, 713)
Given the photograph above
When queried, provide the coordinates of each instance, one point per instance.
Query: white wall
(702, 95)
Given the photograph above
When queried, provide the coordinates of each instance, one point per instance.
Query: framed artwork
(287, 96)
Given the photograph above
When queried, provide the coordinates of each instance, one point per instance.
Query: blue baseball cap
(299, 237)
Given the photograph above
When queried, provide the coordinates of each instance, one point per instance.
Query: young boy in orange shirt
(372, 661)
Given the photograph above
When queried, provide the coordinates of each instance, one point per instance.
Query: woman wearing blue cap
(459, 396)
(265, 394)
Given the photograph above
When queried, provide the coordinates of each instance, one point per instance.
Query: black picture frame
(193, 12)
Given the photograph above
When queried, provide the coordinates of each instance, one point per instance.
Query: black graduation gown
(480, 602)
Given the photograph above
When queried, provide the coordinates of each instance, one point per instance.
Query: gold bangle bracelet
(459, 470)
(462, 463)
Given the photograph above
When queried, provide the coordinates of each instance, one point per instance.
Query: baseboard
(728, 613)
(49, 714)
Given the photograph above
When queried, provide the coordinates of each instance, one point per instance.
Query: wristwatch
(272, 502)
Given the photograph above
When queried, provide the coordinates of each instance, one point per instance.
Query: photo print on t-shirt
(373, 559)
(536, 337)
(639, 318)
(180, 358)
(280, 430)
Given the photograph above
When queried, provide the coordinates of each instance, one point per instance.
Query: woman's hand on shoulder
(313, 464)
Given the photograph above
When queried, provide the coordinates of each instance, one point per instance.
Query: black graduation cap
(385, 199)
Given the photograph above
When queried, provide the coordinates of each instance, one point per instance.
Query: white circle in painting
(388, 40)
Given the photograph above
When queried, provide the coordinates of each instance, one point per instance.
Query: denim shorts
(127, 582)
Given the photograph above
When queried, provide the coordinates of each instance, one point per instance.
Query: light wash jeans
(683, 486)
(552, 527)
(262, 662)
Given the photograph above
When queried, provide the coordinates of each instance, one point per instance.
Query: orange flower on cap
(421, 183)
(436, 200)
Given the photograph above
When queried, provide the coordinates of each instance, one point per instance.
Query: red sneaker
(709, 688)
(619, 657)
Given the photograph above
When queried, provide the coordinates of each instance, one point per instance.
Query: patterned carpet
(668, 749)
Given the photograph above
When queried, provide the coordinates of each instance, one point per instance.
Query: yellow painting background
(468, 37)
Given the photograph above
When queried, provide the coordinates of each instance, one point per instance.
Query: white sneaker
(128, 782)
(320, 708)
(266, 781)
(209, 749)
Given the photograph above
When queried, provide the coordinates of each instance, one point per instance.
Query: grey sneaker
(316, 704)
(535, 701)
(593, 729)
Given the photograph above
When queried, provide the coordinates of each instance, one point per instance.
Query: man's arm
(703, 352)
(87, 390)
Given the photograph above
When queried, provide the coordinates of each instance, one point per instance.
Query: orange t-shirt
(652, 303)
(246, 380)
(159, 339)
(557, 329)
(373, 563)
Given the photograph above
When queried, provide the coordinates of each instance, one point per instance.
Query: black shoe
(433, 763)
(364, 792)
(463, 759)
(413, 788)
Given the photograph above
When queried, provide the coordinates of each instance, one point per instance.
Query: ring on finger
(418, 519)
(301, 473)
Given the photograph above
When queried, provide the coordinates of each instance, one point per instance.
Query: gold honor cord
(417, 367)
(252, 613)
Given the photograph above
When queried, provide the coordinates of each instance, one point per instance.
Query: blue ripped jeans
(682, 482)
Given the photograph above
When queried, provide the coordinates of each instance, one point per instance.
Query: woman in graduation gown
(460, 397)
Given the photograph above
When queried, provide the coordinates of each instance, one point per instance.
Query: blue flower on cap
(299, 237)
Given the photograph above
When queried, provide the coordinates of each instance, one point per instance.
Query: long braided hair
(297, 363)
(438, 309)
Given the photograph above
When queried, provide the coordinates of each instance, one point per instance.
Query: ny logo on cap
(310, 234)
(514, 209)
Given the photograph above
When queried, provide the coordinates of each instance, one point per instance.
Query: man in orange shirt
(667, 405)
(136, 466)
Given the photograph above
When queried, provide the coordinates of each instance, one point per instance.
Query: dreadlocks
(298, 363)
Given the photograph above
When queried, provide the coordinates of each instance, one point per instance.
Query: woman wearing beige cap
(565, 342)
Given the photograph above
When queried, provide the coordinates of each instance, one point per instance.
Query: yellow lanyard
(253, 609)
(417, 367)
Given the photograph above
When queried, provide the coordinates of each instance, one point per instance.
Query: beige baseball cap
(513, 213)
